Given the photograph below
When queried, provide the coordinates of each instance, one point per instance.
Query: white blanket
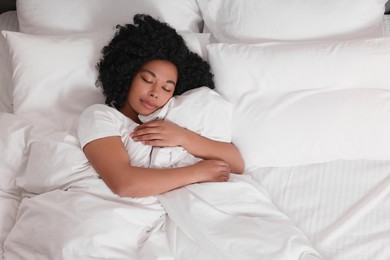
(78, 217)
(236, 220)
(67, 212)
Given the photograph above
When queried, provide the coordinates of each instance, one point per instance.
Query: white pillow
(306, 103)
(203, 111)
(284, 67)
(291, 20)
(54, 76)
(197, 42)
(75, 16)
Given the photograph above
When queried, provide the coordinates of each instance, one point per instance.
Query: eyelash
(147, 81)
(167, 90)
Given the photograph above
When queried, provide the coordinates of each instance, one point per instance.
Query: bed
(306, 88)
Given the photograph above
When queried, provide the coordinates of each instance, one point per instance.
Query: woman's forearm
(205, 148)
(111, 161)
(141, 182)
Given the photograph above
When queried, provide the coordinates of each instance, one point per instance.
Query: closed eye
(166, 89)
(146, 80)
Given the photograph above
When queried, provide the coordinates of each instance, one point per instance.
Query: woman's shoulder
(100, 109)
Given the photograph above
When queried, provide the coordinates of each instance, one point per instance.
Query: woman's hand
(166, 134)
(159, 133)
(211, 171)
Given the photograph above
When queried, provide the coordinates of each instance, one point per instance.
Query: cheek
(137, 88)
(164, 98)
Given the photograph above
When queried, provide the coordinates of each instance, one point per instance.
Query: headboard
(6, 5)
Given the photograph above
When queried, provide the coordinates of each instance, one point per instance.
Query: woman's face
(151, 88)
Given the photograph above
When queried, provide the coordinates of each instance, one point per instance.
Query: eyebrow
(155, 76)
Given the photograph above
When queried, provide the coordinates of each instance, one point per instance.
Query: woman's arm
(163, 133)
(110, 159)
(205, 148)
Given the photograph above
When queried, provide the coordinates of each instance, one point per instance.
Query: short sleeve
(96, 122)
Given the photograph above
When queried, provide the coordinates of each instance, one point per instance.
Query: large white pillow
(301, 103)
(285, 67)
(203, 111)
(74, 16)
(291, 20)
(54, 76)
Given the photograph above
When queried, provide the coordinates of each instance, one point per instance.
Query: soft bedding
(14, 133)
(59, 184)
(308, 108)
(306, 102)
(343, 206)
(254, 21)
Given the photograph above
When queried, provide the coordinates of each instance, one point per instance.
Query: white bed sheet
(342, 206)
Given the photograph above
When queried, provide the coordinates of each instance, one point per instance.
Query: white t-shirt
(201, 110)
(99, 121)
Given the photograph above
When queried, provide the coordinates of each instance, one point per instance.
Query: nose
(153, 92)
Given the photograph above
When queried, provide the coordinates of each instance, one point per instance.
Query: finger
(153, 123)
(223, 179)
(222, 163)
(144, 127)
(147, 137)
(144, 131)
(156, 143)
(225, 167)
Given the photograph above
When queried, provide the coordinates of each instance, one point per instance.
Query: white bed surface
(342, 206)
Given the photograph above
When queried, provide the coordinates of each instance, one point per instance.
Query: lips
(148, 105)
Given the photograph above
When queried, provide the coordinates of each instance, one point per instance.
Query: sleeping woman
(144, 65)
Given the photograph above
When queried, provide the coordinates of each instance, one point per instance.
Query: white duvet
(67, 212)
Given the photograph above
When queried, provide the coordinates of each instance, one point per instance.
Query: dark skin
(150, 89)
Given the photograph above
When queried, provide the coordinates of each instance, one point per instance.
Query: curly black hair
(135, 44)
